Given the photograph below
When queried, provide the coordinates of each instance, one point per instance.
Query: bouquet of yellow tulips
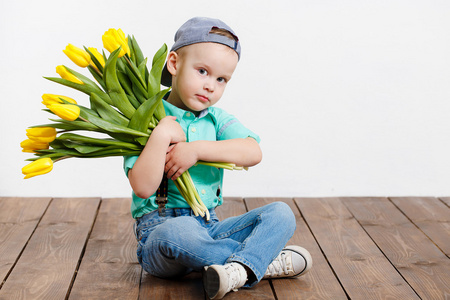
(125, 106)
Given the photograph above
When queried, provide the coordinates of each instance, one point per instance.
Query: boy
(235, 252)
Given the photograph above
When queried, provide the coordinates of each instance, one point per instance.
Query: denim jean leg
(263, 234)
(183, 244)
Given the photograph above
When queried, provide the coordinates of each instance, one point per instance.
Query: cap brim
(166, 77)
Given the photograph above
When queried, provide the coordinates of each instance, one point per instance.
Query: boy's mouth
(202, 98)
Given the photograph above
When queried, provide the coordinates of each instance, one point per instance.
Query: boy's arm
(147, 172)
(242, 152)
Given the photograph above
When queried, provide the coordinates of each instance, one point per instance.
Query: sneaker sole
(211, 282)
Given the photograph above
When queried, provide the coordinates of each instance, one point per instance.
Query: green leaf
(137, 83)
(80, 87)
(115, 91)
(107, 112)
(108, 126)
(73, 125)
(143, 68)
(88, 110)
(97, 141)
(160, 112)
(82, 149)
(97, 77)
(85, 79)
(133, 100)
(124, 82)
(113, 152)
(53, 156)
(142, 140)
(154, 78)
(95, 60)
(143, 115)
(137, 50)
(132, 55)
(62, 152)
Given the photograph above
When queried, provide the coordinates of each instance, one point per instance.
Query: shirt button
(188, 114)
(203, 192)
(193, 129)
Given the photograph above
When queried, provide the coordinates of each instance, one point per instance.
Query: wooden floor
(363, 248)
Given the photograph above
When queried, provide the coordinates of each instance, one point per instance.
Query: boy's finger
(170, 148)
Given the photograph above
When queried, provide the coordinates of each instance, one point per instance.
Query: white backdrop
(349, 97)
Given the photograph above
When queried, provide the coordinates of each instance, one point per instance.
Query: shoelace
(235, 277)
(278, 265)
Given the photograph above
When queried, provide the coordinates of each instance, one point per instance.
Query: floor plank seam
(273, 289)
(26, 244)
(418, 227)
(321, 250)
(443, 201)
(378, 247)
(77, 268)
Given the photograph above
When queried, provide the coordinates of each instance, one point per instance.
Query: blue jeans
(178, 243)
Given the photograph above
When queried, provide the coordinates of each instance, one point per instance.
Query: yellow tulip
(97, 55)
(42, 134)
(67, 112)
(54, 99)
(31, 145)
(80, 57)
(65, 74)
(113, 39)
(37, 167)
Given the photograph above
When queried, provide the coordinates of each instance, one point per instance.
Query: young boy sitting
(172, 241)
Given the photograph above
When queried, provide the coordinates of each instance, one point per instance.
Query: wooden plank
(187, 287)
(110, 269)
(48, 263)
(319, 282)
(231, 207)
(446, 200)
(363, 270)
(430, 215)
(419, 261)
(18, 220)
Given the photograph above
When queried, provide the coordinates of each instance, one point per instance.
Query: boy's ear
(172, 59)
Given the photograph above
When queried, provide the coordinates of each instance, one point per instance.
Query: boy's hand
(170, 129)
(179, 158)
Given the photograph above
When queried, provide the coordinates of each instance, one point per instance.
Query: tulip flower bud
(113, 39)
(65, 74)
(42, 134)
(97, 55)
(32, 145)
(80, 57)
(37, 167)
(67, 112)
(50, 99)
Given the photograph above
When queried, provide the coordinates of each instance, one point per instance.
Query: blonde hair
(224, 32)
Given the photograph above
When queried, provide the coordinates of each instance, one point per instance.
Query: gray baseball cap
(198, 30)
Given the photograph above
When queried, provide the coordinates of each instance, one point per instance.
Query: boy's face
(200, 73)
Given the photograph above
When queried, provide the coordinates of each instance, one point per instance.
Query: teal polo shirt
(211, 124)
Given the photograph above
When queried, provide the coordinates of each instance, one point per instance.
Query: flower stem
(61, 158)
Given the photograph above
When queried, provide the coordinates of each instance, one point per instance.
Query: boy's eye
(221, 80)
(202, 71)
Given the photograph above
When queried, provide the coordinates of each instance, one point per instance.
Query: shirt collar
(172, 110)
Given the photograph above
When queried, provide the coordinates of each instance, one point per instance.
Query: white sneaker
(219, 280)
(292, 261)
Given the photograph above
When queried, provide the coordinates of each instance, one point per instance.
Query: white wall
(349, 97)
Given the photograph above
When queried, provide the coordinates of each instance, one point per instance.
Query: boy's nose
(209, 86)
